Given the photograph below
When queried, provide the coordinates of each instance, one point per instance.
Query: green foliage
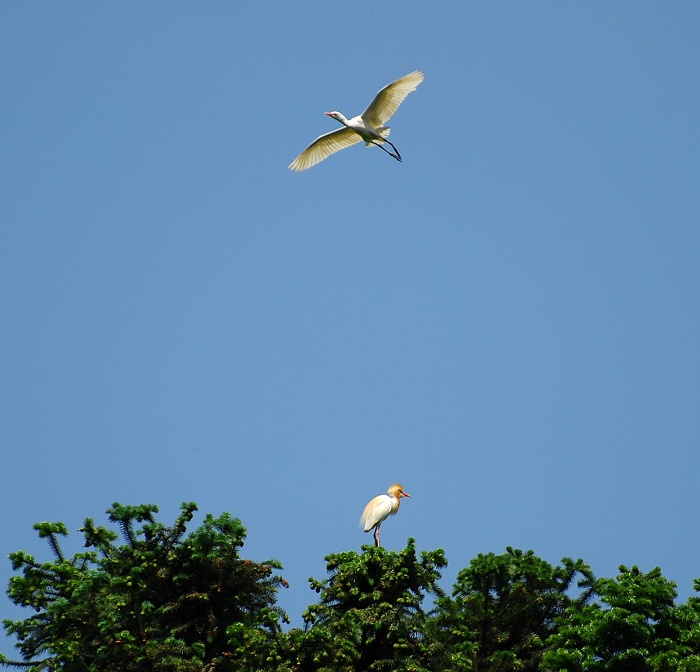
(160, 601)
(370, 614)
(165, 600)
(635, 627)
(503, 608)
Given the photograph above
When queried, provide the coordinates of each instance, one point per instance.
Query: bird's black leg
(376, 536)
(396, 156)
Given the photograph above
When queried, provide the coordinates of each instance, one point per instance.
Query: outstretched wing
(387, 101)
(322, 147)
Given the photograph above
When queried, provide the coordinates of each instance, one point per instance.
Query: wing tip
(301, 163)
(416, 76)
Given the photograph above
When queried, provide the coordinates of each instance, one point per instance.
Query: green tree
(160, 599)
(635, 627)
(503, 608)
(370, 614)
(163, 600)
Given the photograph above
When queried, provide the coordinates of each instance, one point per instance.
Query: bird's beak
(330, 114)
(405, 494)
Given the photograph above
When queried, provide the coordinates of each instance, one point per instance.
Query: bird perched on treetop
(380, 508)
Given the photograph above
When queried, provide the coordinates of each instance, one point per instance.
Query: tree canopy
(154, 598)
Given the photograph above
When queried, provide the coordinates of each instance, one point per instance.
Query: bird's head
(397, 491)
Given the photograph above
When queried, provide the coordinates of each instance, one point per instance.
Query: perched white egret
(380, 508)
(368, 126)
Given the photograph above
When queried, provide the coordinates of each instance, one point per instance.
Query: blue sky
(506, 323)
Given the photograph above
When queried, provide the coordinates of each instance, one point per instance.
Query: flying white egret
(380, 508)
(368, 126)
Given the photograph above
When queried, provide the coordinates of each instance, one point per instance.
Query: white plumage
(368, 126)
(380, 508)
